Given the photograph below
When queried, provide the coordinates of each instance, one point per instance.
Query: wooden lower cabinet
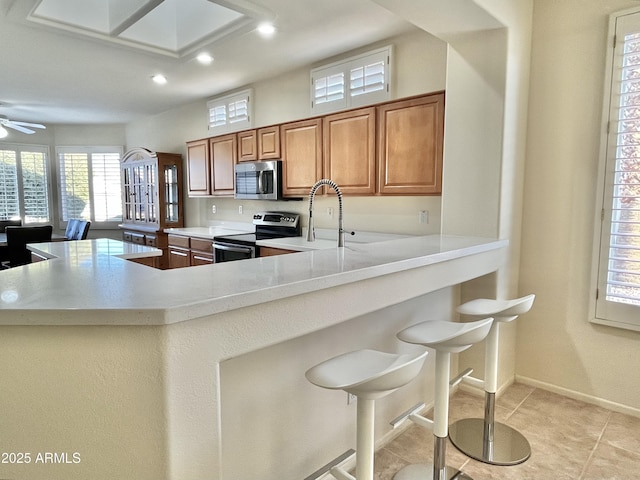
(189, 251)
(150, 239)
(271, 251)
(201, 252)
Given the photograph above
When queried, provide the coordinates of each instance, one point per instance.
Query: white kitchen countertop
(218, 228)
(72, 289)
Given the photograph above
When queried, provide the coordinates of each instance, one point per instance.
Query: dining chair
(9, 223)
(17, 240)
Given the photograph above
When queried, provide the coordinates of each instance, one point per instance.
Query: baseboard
(600, 402)
(479, 392)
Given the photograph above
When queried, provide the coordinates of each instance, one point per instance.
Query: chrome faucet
(311, 234)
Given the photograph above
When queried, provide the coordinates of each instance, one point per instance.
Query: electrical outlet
(330, 212)
(240, 209)
(213, 209)
(423, 217)
(351, 398)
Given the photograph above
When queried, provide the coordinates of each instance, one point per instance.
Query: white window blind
(353, 82)
(617, 299)
(230, 112)
(24, 183)
(90, 184)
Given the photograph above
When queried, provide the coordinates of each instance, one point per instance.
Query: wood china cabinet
(151, 198)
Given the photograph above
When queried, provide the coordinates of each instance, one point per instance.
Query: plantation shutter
(9, 195)
(35, 186)
(74, 181)
(231, 112)
(618, 294)
(107, 199)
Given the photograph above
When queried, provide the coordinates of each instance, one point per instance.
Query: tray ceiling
(172, 27)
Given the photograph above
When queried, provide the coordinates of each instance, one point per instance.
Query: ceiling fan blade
(26, 124)
(19, 128)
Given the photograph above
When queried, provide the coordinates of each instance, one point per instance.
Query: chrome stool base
(508, 447)
(424, 471)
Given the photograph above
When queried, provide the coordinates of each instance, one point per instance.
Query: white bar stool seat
(484, 439)
(368, 374)
(445, 338)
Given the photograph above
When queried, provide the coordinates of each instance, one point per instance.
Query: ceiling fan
(23, 127)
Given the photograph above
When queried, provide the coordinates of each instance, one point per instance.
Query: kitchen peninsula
(125, 364)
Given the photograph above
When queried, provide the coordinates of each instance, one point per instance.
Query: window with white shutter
(617, 261)
(24, 183)
(90, 185)
(230, 112)
(353, 82)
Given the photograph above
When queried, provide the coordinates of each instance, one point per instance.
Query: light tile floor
(569, 439)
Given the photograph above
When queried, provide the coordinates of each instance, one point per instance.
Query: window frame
(225, 102)
(346, 66)
(89, 151)
(602, 311)
(18, 148)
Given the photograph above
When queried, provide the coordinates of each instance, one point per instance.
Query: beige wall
(420, 67)
(557, 346)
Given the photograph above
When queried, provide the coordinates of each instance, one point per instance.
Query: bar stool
(445, 338)
(369, 375)
(484, 439)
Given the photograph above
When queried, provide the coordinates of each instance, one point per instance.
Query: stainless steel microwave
(259, 180)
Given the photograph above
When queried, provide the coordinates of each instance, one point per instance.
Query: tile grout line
(595, 447)
(520, 404)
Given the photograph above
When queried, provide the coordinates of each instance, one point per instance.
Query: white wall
(557, 346)
(420, 67)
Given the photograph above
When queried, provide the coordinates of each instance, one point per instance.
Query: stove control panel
(282, 219)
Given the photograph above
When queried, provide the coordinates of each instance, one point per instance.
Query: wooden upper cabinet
(269, 143)
(301, 147)
(223, 154)
(410, 136)
(350, 150)
(247, 146)
(198, 168)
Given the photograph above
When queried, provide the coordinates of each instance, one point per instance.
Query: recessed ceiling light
(159, 79)
(266, 29)
(204, 58)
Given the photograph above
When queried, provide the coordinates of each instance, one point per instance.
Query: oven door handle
(228, 248)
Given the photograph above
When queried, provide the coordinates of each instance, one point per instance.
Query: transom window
(24, 183)
(230, 112)
(353, 82)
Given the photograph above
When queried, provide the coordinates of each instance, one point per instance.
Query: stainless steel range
(242, 246)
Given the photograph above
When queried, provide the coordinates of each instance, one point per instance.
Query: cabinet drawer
(202, 245)
(126, 236)
(178, 241)
(198, 258)
(178, 258)
(151, 240)
(137, 238)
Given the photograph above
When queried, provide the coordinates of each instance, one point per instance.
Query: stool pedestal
(446, 338)
(484, 439)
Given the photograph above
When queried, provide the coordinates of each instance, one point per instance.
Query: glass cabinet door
(171, 193)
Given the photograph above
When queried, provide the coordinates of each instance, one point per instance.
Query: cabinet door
(198, 168)
(410, 137)
(269, 143)
(301, 144)
(223, 152)
(247, 146)
(350, 150)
